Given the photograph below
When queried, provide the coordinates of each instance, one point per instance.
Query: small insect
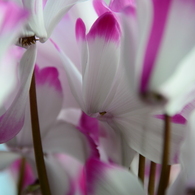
(26, 41)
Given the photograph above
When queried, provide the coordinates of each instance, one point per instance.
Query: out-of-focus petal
(47, 56)
(54, 11)
(49, 95)
(65, 138)
(49, 101)
(11, 122)
(180, 44)
(6, 158)
(74, 77)
(100, 7)
(12, 18)
(185, 180)
(106, 179)
(59, 180)
(103, 44)
(144, 133)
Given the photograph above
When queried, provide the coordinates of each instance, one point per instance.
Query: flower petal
(59, 181)
(36, 22)
(65, 138)
(179, 43)
(49, 102)
(106, 179)
(12, 120)
(103, 45)
(144, 133)
(12, 19)
(186, 177)
(54, 11)
(74, 76)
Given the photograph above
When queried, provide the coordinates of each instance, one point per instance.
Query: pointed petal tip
(80, 29)
(107, 27)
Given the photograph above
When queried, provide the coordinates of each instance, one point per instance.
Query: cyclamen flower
(41, 24)
(12, 19)
(161, 34)
(57, 136)
(102, 92)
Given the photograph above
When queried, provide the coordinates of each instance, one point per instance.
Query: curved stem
(42, 174)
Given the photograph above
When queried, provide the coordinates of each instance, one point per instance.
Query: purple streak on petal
(72, 190)
(12, 16)
(178, 119)
(82, 182)
(48, 75)
(100, 7)
(130, 11)
(107, 27)
(94, 170)
(80, 29)
(29, 176)
(161, 9)
(90, 128)
(55, 45)
(10, 126)
(119, 5)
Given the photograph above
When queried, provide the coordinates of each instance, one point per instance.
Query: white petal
(58, 179)
(36, 22)
(144, 133)
(179, 86)
(9, 23)
(6, 158)
(185, 179)
(48, 56)
(74, 77)
(65, 138)
(106, 179)
(112, 146)
(177, 41)
(54, 11)
(103, 46)
(12, 120)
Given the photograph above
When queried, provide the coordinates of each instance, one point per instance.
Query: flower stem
(151, 184)
(141, 170)
(42, 174)
(21, 175)
(165, 170)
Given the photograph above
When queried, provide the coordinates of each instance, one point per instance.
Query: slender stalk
(151, 184)
(141, 170)
(42, 174)
(21, 175)
(164, 177)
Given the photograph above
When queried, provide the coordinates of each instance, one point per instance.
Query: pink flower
(160, 35)
(101, 90)
(57, 135)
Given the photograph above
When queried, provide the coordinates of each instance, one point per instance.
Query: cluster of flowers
(106, 78)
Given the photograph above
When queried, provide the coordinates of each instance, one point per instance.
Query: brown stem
(42, 174)
(21, 175)
(141, 170)
(164, 177)
(151, 184)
